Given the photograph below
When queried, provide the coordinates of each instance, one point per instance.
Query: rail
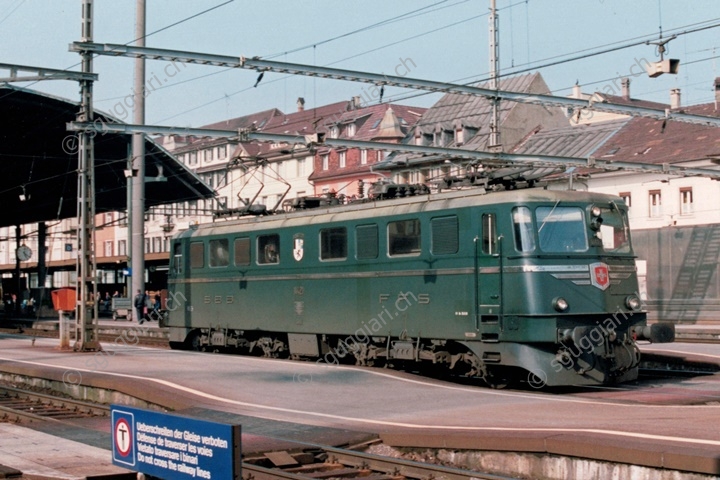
(17, 405)
(341, 463)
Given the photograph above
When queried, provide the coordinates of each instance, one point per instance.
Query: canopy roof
(38, 160)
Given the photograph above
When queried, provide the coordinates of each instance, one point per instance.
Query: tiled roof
(259, 120)
(471, 111)
(254, 120)
(571, 141)
(633, 102)
(644, 140)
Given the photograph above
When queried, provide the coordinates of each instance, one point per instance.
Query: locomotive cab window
(614, 231)
(268, 249)
(404, 237)
(561, 229)
(489, 234)
(523, 229)
(242, 251)
(197, 255)
(177, 265)
(366, 241)
(333, 243)
(219, 253)
(444, 235)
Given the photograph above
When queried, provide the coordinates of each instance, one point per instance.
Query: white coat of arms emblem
(298, 250)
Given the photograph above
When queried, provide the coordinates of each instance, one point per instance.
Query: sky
(437, 40)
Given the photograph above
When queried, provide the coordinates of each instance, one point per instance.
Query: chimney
(356, 103)
(300, 104)
(625, 88)
(717, 92)
(675, 98)
(577, 91)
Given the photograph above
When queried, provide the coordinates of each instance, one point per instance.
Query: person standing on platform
(139, 304)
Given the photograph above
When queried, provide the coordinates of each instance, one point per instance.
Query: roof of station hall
(40, 161)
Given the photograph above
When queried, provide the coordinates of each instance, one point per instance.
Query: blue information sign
(174, 447)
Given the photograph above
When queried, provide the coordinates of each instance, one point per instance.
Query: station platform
(277, 402)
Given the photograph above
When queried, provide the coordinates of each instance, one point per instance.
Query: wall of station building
(675, 224)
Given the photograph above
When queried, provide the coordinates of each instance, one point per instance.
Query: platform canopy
(38, 163)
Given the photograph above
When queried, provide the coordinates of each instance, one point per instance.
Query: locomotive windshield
(561, 229)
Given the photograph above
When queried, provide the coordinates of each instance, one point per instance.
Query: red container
(64, 299)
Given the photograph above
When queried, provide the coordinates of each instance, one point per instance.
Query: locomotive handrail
(501, 300)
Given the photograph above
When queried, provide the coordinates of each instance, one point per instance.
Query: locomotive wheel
(498, 377)
(192, 342)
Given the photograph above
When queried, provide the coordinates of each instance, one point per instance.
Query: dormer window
(334, 131)
(351, 130)
(459, 136)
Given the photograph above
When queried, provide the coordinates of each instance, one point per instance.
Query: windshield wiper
(548, 216)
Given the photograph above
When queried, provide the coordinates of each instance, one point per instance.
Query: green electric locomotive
(532, 285)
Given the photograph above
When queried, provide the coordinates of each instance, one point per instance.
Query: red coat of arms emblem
(599, 275)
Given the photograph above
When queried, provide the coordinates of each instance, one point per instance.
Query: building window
(655, 203)
(301, 167)
(342, 159)
(108, 218)
(221, 152)
(325, 161)
(459, 136)
(351, 130)
(220, 178)
(193, 158)
(209, 155)
(108, 251)
(686, 201)
(122, 247)
(157, 244)
(363, 157)
(627, 198)
(147, 245)
(334, 131)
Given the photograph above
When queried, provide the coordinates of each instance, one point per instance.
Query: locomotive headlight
(595, 211)
(632, 302)
(560, 304)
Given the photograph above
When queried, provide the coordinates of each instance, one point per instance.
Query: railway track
(22, 406)
(326, 463)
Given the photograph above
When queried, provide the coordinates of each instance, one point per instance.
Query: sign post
(174, 447)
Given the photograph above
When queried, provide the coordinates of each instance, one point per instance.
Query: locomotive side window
(177, 266)
(366, 239)
(333, 243)
(523, 229)
(614, 231)
(404, 237)
(242, 251)
(268, 249)
(561, 229)
(197, 255)
(444, 235)
(489, 234)
(219, 253)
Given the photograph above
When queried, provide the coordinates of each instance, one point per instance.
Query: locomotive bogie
(537, 282)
